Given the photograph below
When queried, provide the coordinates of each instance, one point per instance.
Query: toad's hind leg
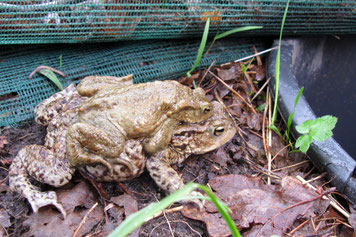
(52, 106)
(86, 144)
(40, 163)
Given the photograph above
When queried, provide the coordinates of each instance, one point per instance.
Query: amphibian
(118, 111)
(49, 163)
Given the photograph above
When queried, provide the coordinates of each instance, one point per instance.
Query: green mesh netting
(70, 21)
(154, 60)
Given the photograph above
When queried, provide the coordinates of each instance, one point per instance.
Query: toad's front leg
(161, 138)
(40, 163)
(86, 145)
(165, 176)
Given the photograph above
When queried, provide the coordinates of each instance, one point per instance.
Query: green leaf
(52, 77)
(226, 33)
(275, 129)
(244, 28)
(138, 218)
(305, 126)
(303, 143)
(201, 48)
(261, 107)
(321, 129)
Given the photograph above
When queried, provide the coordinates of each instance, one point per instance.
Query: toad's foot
(40, 163)
(39, 199)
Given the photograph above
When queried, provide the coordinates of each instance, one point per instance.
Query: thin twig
(333, 202)
(291, 166)
(275, 156)
(39, 68)
(269, 155)
(292, 206)
(191, 228)
(206, 73)
(175, 209)
(233, 91)
(169, 224)
(264, 124)
(260, 90)
(76, 233)
(259, 61)
(255, 133)
(298, 227)
(250, 81)
(253, 55)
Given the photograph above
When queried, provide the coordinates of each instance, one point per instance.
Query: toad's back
(140, 108)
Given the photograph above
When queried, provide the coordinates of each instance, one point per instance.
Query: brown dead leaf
(77, 202)
(80, 196)
(254, 204)
(4, 218)
(214, 222)
(130, 206)
(252, 120)
(220, 157)
(3, 141)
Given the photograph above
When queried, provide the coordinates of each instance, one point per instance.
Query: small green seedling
(291, 117)
(138, 218)
(201, 47)
(218, 36)
(52, 77)
(319, 129)
(278, 58)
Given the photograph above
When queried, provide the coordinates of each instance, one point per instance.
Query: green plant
(201, 47)
(319, 129)
(233, 31)
(287, 133)
(278, 58)
(51, 76)
(138, 218)
(218, 36)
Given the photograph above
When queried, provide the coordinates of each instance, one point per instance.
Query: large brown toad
(119, 110)
(49, 163)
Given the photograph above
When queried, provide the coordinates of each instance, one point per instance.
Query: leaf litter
(236, 172)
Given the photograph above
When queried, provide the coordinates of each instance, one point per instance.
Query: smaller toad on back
(119, 110)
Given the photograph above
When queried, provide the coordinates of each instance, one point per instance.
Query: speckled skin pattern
(49, 163)
(118, 112)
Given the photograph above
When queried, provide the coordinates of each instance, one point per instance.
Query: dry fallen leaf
(77, 201)
(4, 218)
(259, 207)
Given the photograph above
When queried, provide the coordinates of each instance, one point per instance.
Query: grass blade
(244, 28)
(278, 65)
(52, 77)
(292, 113)
(138, 218)
(223, 211)
(201, 48)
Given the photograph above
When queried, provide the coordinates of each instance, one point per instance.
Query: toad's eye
(206, 109)
(218, 131)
